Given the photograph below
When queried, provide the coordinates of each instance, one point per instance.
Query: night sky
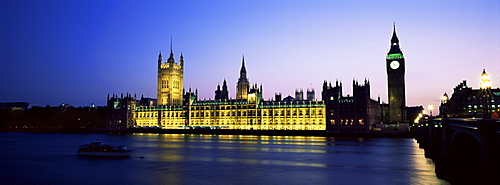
(78, 52)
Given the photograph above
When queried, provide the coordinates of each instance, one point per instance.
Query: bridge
(465, 151)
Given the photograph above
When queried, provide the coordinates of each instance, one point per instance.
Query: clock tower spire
(243, 85)
(395, 63)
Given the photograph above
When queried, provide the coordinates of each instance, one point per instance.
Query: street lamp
(486, 90)
(430, 109)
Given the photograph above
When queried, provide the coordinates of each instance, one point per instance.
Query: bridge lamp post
(430, 109)
(485, 88)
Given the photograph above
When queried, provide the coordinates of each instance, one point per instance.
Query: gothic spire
(395, 49)
(243, 71)
(394, 35)
(171, 58)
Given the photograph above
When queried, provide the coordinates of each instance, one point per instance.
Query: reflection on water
(217, 159)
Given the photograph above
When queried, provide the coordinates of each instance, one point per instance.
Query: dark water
(32, 158)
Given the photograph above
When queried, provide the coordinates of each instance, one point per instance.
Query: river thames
(50, 158)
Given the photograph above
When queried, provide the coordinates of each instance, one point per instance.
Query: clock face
(394, 64)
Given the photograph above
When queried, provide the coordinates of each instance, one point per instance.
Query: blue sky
(77, 52)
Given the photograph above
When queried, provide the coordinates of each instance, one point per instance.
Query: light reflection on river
(215, 159)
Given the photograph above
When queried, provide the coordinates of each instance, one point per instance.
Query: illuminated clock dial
(394, 64)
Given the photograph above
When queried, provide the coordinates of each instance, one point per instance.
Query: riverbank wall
(380, 133)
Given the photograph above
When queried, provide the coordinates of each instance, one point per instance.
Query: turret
(224, 92)
(218, 93)
(160, 59)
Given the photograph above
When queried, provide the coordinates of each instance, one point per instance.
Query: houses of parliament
(178, 108)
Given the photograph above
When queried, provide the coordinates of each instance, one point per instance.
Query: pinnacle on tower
(171, 58)
(394, 35)
(395, 49)
(181, 62)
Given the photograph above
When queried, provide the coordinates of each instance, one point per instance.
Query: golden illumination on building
(170, 80)
(236, 114)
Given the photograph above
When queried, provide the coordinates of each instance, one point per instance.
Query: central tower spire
(171, 58)
(243, 85)
(243, 71)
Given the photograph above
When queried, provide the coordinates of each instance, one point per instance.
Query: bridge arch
(465, 156)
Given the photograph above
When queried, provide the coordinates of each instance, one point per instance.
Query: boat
(99, 149)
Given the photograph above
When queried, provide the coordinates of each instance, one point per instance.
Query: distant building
(350, 113)
(120, 112)
(16, 105)
(413, 113)
(467, 102)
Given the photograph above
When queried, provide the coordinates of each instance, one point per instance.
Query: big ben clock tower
(395, 63)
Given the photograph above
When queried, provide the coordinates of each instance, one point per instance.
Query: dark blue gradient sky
(77, 52)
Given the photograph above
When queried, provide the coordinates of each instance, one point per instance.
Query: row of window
(257, 113)
(236, 107)
(194, 123)
(481, 106)
(176, 84)
(234, 113)
(270, 127)
(348, 122)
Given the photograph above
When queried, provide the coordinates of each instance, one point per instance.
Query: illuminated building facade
(350, 113)
(247, 111)
(395, 63)
(467, 102)
(170, 80)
